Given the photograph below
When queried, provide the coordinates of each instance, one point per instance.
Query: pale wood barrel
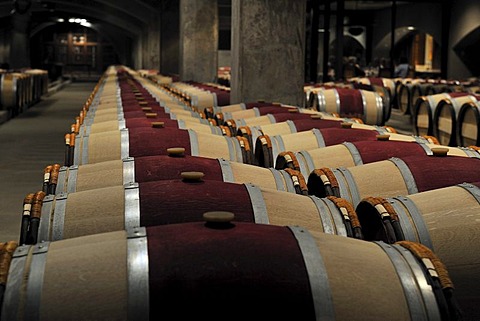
(402, 176)
(123, 269)
(152, 168)
(447, 220)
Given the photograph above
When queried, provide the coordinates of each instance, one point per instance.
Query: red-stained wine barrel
(267, 147)
(347, 102)
(468, 124)
(445, 118)
(280, 117)
(201, 271)
(161, 167)
(447, 220)
(97, 116)
(393, 177)
(299, 125)
(178, 201)
(354, 153)
(197, 124)
(252, 112)
(137, 142)
(212, 111)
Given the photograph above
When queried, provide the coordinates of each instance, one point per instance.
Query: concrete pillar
(268, 51)
(151, 43)
(198, 40)
(170, 44)
(19, 39)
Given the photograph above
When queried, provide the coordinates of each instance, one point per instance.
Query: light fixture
(410, 28)
(60, 20)
(83, 22)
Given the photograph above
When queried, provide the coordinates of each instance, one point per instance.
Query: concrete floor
(29, 143)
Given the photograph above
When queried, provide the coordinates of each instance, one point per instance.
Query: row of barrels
(399, 93)
(122, 233)
(453, 118)
(19, 90)
(409, 90)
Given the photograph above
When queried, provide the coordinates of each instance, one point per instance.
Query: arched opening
(420, 48)
(468, 50)
(73, 50)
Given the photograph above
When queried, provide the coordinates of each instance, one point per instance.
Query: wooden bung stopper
(346, 125)
(218, 217)
(176, 151)
(158, 124)
(143, 103)
(440, 151)
(383, 137)
(151, 115)
(147, 109)
(292, 110)
(192, 176)
(316, 116)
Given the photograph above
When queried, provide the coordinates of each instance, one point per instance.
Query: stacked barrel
(19, 90)
(165, 196)
(452, 117)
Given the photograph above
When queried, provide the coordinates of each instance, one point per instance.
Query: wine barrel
(299, 125)
(212, 111)
(406, 96)
(468, 121)
(222, 117)
(445, 118)
(267, 148)
(446, 220)
(346, 102)
(8, 94)
(187, 267)
(279, 117)
(137, 142)
(424, 110)
(354, 153)
(393, 177)
(178, 201)
(161, 167)
(197, 124)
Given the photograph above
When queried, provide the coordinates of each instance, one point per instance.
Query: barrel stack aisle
(168, 193)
